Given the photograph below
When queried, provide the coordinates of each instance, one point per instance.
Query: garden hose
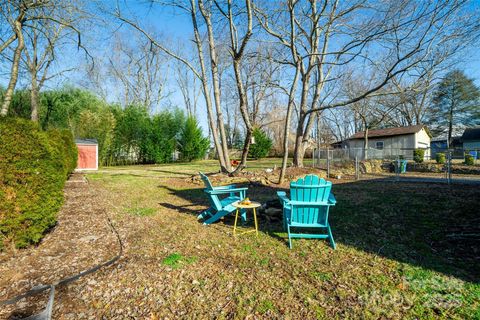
(46, 314)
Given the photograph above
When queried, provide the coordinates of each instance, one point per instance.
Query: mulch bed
(81, 239)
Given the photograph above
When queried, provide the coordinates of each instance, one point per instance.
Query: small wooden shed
(87, 154)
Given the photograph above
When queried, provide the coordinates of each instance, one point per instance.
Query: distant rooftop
(397, 131)
(86, 141)
(471, 134)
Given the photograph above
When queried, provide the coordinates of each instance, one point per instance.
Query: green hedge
(262, 145)
(63, 141)
(469, 160)
(440, 157)
(34, 166)
(418, 155)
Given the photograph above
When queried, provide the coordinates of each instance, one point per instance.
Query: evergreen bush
(262, 145)
(469, 161)
(440, 158)
(418, 155)
(33, 170)
(66, 149)
(191, 143)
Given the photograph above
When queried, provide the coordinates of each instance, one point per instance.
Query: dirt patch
(263, 177)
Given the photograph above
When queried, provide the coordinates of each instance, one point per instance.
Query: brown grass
(395, 259)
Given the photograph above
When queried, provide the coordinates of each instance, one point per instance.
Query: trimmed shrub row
(34, 166)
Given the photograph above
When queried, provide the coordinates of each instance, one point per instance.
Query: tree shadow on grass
(181, 208)
(173, 173)
(434, 226)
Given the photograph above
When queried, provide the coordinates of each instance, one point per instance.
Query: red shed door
(87, 157)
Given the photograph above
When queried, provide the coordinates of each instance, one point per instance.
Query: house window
(379, 145)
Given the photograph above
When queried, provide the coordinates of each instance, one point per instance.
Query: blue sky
(177, 28)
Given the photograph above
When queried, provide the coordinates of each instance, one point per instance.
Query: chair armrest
(331, 199)
(230, 186)
(223, 191)
(283, 197)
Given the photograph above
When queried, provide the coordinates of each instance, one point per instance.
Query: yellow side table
(252, 205)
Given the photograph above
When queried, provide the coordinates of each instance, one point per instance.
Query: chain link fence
(434, 165)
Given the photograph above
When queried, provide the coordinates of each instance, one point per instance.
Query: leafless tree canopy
(34, 30)
(295, 68)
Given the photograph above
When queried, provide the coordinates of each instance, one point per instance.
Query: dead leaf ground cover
(404, 251)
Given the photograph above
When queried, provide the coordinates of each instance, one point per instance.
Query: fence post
(449, 166)
(328, 163)
(313, 158)
(398, 169)
(357, 176)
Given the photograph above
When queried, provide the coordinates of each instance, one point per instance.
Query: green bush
(33, 167)
(66, 149)
(262, 145)
(418, 155)
(440, 158)
(139, 137)
(469, 161)
(191, 143)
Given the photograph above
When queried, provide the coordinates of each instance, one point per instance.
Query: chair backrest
(310, 189)
(206, 181)
(212, 198)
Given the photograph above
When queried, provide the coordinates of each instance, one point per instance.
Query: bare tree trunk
(245, 116)
(202, 74)
(308, 130)
(365, 143)
(286, 128)
(16, 61)
(299, 151)
(237, 51)
(34, 101)
(216, 85)
(208, 101)
(450, 125)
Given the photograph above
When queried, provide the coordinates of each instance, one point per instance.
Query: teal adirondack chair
(311, 199)
(221, 199)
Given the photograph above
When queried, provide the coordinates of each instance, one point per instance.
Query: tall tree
(139, 70)
(198, 68)
(208, 20)
(189, 87)
(17, 24)
(42, 21)
(322, 39)
(456, 102)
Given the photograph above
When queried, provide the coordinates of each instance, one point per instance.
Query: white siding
(393, 146)
(422, 141)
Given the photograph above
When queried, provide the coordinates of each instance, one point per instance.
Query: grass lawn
(187, 169)
(404, 251)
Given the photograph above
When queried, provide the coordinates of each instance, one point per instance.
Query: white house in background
(390, 142)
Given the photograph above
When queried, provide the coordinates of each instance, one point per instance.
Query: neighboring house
(471, 139)
(391, 142)
(339, 144)
(439, 144)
